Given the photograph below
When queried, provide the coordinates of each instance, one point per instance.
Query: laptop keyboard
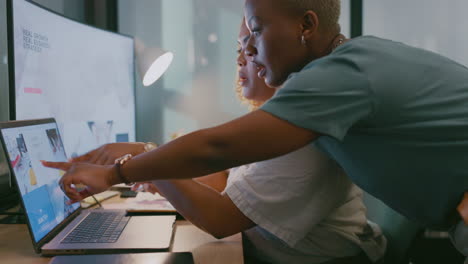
(98, 228)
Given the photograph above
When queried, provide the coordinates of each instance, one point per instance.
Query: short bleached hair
(328, 11)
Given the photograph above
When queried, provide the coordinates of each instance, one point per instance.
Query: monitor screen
(80, 75)
(43, 200)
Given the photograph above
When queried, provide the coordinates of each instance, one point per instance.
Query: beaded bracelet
(118, 164)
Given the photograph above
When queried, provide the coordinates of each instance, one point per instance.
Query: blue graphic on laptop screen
(43, 199)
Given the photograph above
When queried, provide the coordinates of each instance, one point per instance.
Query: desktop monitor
(80, 75)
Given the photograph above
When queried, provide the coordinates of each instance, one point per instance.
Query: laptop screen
(44, 201)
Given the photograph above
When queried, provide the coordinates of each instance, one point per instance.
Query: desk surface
(16, 246)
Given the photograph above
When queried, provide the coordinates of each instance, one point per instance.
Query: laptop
(60, 229)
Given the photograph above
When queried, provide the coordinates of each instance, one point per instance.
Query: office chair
(399, 231)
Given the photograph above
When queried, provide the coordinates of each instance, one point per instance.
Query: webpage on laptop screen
(44, 201)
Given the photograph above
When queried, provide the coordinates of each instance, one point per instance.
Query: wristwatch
(149, 146)
(121, 161)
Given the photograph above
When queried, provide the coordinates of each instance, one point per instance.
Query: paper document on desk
(143, 202)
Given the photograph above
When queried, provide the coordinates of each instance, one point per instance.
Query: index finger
(57, 165)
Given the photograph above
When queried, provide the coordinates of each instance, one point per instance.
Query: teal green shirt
(394, 117)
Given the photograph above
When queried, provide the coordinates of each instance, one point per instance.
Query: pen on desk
(100, 205)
